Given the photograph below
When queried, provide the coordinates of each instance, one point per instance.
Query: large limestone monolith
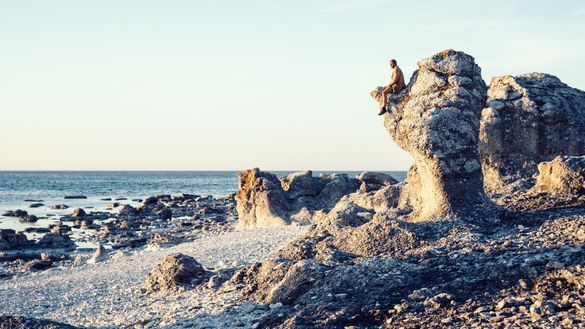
(436, 119)
(528, 119)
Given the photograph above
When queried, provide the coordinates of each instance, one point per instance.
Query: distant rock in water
(436, 119)
(78, 212)
(76, 196)
(528, 119)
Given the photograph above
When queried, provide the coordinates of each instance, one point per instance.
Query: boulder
(260, 200)
(436, 119)
(377, 178)
(528, 119)
(166, 214)
(128, 210)
(302, 184)
(386, 198)
(28, 219)
(78, 212)
(16, 213)
(98, 256)
(9, 239)
(55, 241)
(377, 237)
(296, 281)
(150, 200)
(184, 196)
(338, 186)
(37, 265)
(565, 175)
(276, 281)
(175, 272)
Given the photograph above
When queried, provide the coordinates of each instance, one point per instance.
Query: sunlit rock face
(564, 175)
(264, 200)
(437, 120)
(528, 119)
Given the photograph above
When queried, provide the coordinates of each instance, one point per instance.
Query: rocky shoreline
(160, 220)
(487, 231)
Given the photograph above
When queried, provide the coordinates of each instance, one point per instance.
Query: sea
(20, 189)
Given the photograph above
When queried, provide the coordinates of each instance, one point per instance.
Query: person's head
(393, 63)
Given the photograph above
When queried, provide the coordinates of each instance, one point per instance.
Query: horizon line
(188, 170)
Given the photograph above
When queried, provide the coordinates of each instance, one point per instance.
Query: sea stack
(436, 119)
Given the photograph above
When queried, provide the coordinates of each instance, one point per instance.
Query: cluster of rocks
(160, 221)
(23, 216)
(10, 240)
(264, 200)
(437, 250)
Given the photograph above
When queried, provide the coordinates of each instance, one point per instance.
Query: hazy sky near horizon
(228, 85)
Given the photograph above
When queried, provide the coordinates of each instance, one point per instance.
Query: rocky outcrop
(9, 239)
(563, 175)
(264, 200)
(55, 241)
(436, 119)
(260, 200)
(528, 119)
(175, 272)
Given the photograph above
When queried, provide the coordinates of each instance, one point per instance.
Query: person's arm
(393, 79)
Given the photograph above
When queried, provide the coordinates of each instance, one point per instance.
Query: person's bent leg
(385, 94)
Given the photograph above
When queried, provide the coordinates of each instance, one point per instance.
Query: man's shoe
(382, 110)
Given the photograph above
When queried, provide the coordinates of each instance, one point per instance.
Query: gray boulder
(55, 241)
(174, 273)
(302, 184)
(370, 177)
(78, 212)
(9, 239)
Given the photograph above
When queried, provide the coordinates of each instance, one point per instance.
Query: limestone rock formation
(175, 272)
(264, 200)
(260, 200)
(436, 119)
(528, 119)
(563, 175)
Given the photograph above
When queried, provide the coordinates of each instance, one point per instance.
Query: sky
(230, 85)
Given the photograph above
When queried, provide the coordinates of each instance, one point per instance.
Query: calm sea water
(52, 186)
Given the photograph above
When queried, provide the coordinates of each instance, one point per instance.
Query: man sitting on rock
(395, 85)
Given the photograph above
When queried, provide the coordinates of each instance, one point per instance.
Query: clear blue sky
(220, 85)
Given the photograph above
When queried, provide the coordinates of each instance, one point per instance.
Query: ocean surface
(50, 188)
